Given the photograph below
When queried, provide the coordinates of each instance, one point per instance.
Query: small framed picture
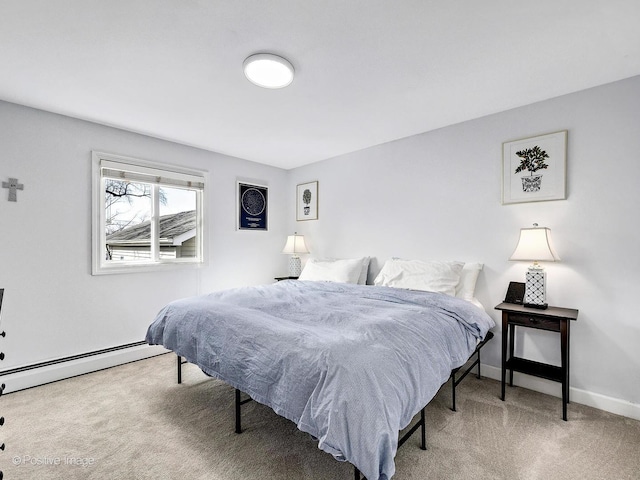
(253, 206)
(307, 201)
(534, 169)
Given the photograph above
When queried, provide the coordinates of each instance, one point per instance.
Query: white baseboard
(59, 371)
(576, 395)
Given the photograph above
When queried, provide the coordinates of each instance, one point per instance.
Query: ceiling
(367, 71)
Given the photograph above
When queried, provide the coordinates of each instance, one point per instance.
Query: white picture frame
(307, 201)
(534, 169)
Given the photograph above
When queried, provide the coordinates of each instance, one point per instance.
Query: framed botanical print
(307, 201)
(534, 169)
(253, 206)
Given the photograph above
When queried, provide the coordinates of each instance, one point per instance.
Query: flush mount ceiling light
(268, 70)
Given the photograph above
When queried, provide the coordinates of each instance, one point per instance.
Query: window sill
(143, 267)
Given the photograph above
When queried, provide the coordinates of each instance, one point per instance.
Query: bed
(350, 364)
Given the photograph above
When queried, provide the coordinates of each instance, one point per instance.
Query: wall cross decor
(13, 187)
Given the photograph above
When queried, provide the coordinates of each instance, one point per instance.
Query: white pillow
(468, 279)
(434, 276)
(477, 303)
(362, 279)
(342, 271)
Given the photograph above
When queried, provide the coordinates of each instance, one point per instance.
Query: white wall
(438, 196)
(431, 196)
(53, 307)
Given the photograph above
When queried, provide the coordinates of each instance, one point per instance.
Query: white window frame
(142, 170)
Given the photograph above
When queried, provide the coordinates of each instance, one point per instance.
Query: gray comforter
(349, 364)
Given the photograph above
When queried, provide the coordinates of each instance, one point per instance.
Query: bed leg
(356, 473)
(478, 376)
(238, 416)
(179, 369)
(423, 446)
(453, 392)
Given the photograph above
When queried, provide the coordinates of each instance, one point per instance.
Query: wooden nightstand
(277, 279)
(554, 319)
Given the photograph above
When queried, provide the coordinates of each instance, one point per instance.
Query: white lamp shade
(535, 245)
(295, 244)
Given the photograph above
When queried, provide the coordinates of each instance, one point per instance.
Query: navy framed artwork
(253, 206)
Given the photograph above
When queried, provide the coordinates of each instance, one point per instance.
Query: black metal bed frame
(420, 424)
(455, 382)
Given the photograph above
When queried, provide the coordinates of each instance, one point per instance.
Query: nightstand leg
(505, 334)
(568, 357)
(564, 342)
(512, 334)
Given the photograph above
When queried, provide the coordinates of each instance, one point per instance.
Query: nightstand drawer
(534, 321)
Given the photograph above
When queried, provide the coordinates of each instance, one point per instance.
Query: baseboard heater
(70, 358)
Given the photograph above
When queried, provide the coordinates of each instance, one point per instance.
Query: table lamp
(535, 245)
(295, 245)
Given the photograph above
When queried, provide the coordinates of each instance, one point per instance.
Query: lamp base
(534, 292)
(295, 266)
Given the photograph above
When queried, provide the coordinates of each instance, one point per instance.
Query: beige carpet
(135, 422)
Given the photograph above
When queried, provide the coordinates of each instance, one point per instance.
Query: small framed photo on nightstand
(515, 293)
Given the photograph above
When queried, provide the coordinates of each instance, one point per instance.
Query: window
(145, 216)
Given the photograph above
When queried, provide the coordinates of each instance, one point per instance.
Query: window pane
(149, 216)
(178, 232)
(128, 210)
